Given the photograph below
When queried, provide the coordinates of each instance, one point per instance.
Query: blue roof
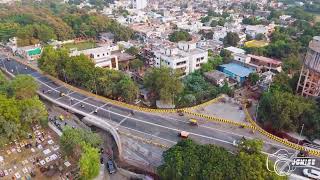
(237, 69)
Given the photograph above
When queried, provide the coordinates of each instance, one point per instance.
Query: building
(235, 71)
(235, 50)
(29, 52)
(185, 57)
(217, 77)
(101, 57)
(253, 30)
(309, 81)
(258, 63)
(139, 4)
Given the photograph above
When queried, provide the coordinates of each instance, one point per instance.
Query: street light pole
(300, 133)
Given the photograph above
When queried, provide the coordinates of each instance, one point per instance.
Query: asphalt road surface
(146, 124)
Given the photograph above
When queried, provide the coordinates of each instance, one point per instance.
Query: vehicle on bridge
(184, 134)
(193, 122)
(62, 94)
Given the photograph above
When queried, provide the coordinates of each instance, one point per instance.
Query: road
(147, 125)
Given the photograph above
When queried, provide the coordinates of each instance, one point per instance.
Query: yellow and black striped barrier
(280, 140)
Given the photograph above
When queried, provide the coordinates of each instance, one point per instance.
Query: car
(110, 167)
(311, 173)
(193, 122)
(184, 134)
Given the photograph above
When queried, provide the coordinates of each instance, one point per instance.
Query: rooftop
(237, 69)
(265, 59)
(235, 50)
(215, 75)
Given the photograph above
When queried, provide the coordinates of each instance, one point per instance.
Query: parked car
(311, 173)
(110, 167)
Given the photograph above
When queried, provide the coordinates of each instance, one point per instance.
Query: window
(98, 55)
(198, 59)
(103, 54)
(181, 63)
(197, 65)
(202, 58)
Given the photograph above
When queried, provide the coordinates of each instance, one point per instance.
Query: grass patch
(256, 43)
(81, 45)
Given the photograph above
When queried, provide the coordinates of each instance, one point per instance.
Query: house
(29, 52)
(101, 57)
(235, 50)
(216, 77)
(185, 57)
(235, 71)
(259, 64)
(263, 63)
(253, 30)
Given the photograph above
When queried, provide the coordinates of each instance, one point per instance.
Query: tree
(231, 39)
(164, 82)
(214, 23)
(226, 55)
(282, 110)
(33, 111)
(260, 37)
(292, 64)
(221, 22)
(89, 162)
(23, 87)
(129, 90)
(254, 78)
(136, 64)
(53, 61)
(188, 160)
(72, 140)
(79, 70)
(180, 36)
(205, 19)
(133, 51)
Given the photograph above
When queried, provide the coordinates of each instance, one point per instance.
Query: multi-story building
(139, 4)
(101, 56)
(185, 57)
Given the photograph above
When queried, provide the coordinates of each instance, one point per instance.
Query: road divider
(221, 120)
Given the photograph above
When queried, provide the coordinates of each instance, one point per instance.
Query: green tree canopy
(180, 36)
(232, 39)
(23, 87)
(72, 140)
(164, 82)
(188, 160)
(89, 162)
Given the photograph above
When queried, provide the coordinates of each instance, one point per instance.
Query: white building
(101, 56)
(253, 30)
(186, 57)
(139, 4)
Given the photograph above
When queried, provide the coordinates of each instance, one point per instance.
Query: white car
(311, 173)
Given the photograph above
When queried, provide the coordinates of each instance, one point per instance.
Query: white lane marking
(174, 142)
(119, 124)
(146, 122)
(212, 128)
